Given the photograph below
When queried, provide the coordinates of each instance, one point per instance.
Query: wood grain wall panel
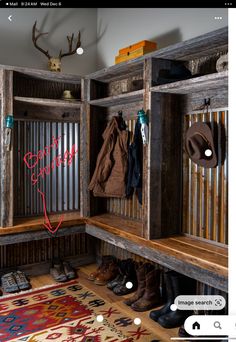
(41, 88)
(205, 189)
(40, 251)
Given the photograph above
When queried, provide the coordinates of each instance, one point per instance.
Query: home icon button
(196, 325)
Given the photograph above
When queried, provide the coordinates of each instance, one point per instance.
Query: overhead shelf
(195, 84)
(204, 45)
(48, 102)
(117, 100)
(44, 74)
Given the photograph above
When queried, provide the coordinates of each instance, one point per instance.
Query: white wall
(120, 27)
(16, 47)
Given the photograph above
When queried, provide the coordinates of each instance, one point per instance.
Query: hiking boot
(9, 283)
(21, 280)
(69, 271)
(58, 273)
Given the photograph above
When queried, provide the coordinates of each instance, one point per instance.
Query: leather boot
(118, 279)
(127, 269)
(106, 259)
(181, 285)
(107, 274)
(170, 298)
(151, 297)
(141, 273)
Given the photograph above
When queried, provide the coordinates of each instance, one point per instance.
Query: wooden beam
(6, 157)
(85, 149)
(208, 82)
(165, 178)
(39, 235)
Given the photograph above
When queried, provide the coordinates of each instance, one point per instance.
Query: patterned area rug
(65, 313)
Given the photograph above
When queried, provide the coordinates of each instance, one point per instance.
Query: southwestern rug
(66, 313)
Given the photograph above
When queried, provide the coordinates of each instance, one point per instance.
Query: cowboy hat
(199, 145)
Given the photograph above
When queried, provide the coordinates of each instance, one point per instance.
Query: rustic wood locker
(172, 227)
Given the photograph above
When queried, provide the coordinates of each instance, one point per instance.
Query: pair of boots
(176, 284)
(147, 295)
(126, 281)
(106, 271)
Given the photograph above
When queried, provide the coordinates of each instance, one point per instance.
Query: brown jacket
(110, 173)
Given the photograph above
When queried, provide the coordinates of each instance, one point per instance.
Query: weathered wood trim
(39, 235)
(48, 102)
(26, 111)
(208, 82)
(85, 149)
(165, 166)
(146, 181)
(6, 157)
(121, 99)
(188, 268)
(44, 74)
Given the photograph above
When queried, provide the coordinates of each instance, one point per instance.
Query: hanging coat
(109, 178)
(135, 163)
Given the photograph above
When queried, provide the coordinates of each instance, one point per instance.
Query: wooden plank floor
(162, 334)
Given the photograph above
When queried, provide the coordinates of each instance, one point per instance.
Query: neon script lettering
(31, 160)
(41, 154)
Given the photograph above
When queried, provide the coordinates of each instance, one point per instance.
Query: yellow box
(144, 43)
(134, 54)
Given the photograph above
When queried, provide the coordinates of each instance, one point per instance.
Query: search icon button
(217, 325)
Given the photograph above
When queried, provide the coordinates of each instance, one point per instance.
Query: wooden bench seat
(195, 258)
(198, 259)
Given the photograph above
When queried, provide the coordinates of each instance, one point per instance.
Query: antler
(70, 42)
(36, 37)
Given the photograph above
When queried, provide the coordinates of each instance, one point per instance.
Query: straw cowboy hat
(199, 145)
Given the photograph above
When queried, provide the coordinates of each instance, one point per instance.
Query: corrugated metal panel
(61, 185)
(122, 206)
(205, 189)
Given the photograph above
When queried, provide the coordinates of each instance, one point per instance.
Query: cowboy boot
(129, 275)
(181, 285)
(151, 297)
(170, 298)
(141, 273)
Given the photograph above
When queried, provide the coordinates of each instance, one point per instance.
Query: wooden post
(162, 158)
(85, 148)
(147, 78)
(6, 157)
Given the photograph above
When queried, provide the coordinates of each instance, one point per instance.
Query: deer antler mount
(54, 63)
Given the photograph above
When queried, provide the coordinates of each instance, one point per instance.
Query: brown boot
(107, 274)
(151, 297)
(106, 259)
(141, 272)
